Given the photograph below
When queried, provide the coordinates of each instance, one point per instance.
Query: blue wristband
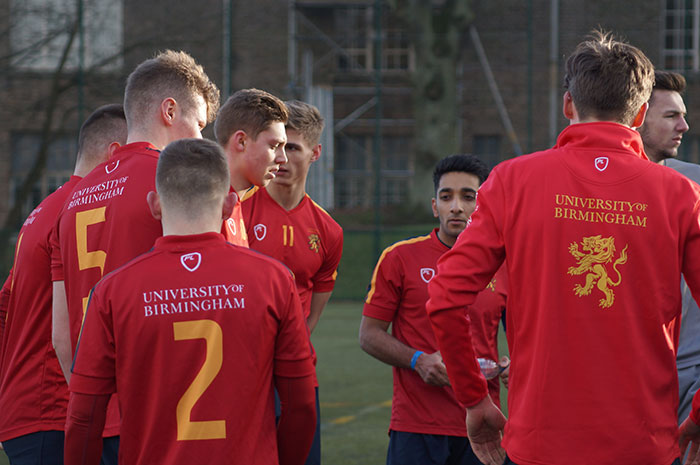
(414, 359)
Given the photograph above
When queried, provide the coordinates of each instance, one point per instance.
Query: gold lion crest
(596, 252)
(314, 242)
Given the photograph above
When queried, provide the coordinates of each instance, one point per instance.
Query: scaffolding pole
(491, 80)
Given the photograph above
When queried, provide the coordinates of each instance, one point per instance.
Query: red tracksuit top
(596, 238)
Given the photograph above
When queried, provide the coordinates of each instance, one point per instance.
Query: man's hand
(485, 425)
(689, 439)
(505, 374)
(431, 368)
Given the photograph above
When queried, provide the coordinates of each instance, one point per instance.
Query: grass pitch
(355, 390)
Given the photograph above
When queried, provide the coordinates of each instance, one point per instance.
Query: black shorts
(419, 449)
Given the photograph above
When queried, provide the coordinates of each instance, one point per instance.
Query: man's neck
(288, 197)
(157, 140)
(449, 241)
(239, 183)
(187, 227)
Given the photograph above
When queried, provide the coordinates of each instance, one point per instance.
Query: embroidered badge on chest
(260, 230)
(426, 274)
(314, 242)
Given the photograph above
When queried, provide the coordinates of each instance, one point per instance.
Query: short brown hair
(668, 80)
(168, 74)
(191, 174)
(250, 110)
(306, 120)
(105, 125)
(608, 79)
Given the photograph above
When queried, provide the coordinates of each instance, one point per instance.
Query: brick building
(324, 52)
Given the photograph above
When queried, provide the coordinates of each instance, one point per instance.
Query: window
(488, 148)
(396, 169)
(396, 54)
(681, 35)
(352, 25)
(40, 30)
(59, 166)
(354, 170)
(356, 34)
(351, 171)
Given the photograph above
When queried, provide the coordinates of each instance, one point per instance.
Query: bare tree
(44, 49)
(438, 27)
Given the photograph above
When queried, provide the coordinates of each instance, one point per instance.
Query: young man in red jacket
(596, 237)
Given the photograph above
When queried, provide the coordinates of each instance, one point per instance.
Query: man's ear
(568, 107)
(641, 114)
(153, 200)
(229, 202)
(316, 153)
(112, 147)
(238, 140)
(167, 111)
(433, 204)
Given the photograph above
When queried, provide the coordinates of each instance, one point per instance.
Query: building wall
(260, 41)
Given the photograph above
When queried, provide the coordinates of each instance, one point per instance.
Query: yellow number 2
(211, 332)
(96, 258)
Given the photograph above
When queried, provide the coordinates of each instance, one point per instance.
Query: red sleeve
(4, 304)
(324, 279)
(463, 272)
(84, 424)
(297, 425)
(93, 370)
(385, 289)
(293, 353)
(57, 273)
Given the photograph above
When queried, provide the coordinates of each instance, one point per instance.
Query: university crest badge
(191, 261)
(596, 252)
(491, 285)
(426, 274)
(260, 230)
(314, 242)
(601, 163)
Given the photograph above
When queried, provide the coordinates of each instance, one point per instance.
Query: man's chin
(455, 231)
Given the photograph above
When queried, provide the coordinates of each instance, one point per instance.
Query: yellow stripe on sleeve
(372, 286)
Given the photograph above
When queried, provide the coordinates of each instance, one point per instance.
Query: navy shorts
(40, 448)
(429, 449)
(110, 451)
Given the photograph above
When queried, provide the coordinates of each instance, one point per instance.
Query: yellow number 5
(94, 259)
(211, 332)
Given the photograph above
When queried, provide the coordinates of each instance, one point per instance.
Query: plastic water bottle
(489, 368)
